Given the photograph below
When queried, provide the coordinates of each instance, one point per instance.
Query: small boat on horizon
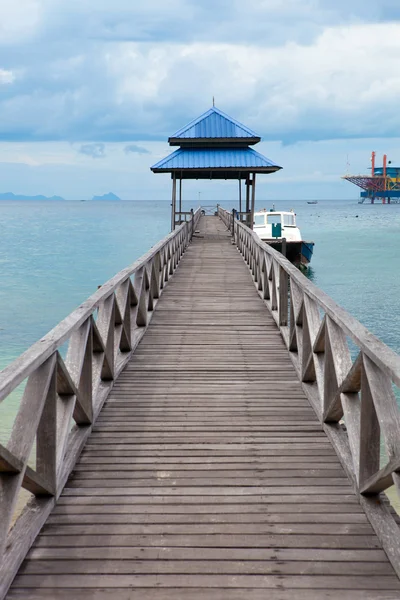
(272, 227)
(312, 201)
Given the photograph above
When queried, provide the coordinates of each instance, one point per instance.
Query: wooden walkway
(207, 475)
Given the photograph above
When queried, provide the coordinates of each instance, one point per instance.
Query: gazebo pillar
(247, 199)
(240, 198)
(173, 204)
(253, 200)
(180, 197)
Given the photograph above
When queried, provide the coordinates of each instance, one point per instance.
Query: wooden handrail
(353, 398)
(102, 333)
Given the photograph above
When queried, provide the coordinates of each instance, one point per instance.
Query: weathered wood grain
(207, 473)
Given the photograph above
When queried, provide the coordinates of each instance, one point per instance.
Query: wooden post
(283, 297)
(247, 199)
(180, 200)
(192, 222)
(240, 195)
(173, 204)
(253, 200)
(284, 247)
(370, 432)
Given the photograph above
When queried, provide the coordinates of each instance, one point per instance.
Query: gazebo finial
(213, 101)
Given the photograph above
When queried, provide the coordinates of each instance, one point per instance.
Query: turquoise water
(54, 255)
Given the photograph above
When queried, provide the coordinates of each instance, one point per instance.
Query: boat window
(289, 221)
(273, 219)
(259, 220)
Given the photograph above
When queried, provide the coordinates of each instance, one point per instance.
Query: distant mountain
(11, 196)
(109, 196)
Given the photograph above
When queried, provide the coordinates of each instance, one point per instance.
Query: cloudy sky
(91, 89)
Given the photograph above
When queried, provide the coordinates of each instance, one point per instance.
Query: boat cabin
(269, 225)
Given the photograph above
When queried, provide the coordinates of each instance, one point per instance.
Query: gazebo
(215, 146)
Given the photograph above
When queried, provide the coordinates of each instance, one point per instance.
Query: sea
(53, 255)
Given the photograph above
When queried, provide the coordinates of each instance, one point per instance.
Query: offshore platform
(383, 184)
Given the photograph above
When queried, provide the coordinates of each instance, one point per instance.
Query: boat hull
(299, 253)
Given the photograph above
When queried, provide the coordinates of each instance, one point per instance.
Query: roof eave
(243, 141)
(244, 170)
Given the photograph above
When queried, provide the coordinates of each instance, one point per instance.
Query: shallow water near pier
(54, 255)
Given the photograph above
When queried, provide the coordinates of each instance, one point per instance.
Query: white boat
(275, 226)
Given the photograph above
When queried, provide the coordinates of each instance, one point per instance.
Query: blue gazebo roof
(214, 146)
(214, 125)
(213, 160)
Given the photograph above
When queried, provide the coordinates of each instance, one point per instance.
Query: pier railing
(348, 374)
(63, 397)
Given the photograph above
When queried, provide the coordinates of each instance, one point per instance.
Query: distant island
(109, 196)
(11, 196)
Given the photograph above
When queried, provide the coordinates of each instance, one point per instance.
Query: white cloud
(135, 149)
(6, 76)
(344, 81)
(19, 20)
(94, 150)
(311, 81)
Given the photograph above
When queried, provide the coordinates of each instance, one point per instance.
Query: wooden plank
(209, 554)
(211, 540)
(115, 529)
(182, 438)
(133, 473)
(299, 430)
(194, 518)
(304, 460)
(209, 581)
(179, 447)
(229, 485)
(197, 500)
(223, 490)
(265, 506)
(208, 452)
(198, 594)
(209, 567)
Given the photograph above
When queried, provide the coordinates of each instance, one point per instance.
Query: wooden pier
(208, 461)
